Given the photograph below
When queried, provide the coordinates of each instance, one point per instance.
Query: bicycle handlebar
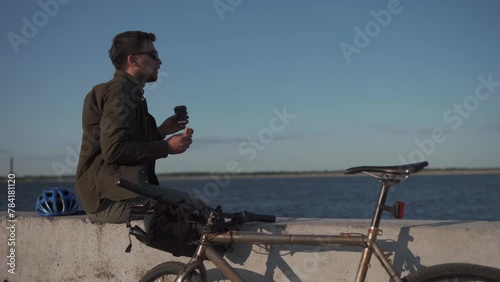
(173, 196)
(167, 195)
(143, 191)
(261, 217)
(243, 217)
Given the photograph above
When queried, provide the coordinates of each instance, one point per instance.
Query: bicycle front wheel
(458, 272)
(167, 272)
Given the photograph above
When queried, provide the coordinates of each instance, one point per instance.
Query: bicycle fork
(371, 246)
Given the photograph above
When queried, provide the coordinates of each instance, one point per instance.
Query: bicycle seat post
(386, 182)
(387, 176)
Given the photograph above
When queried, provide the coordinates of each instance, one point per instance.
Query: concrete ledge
(73, 249)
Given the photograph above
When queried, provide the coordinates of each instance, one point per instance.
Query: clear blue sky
(359, 88)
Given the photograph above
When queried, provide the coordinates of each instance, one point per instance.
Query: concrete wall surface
(73, 249)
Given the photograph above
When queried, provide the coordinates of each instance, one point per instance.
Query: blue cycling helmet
(56, 201)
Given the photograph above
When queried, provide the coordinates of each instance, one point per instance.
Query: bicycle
(219, 230)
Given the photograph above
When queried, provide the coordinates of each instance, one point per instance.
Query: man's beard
(152, 76)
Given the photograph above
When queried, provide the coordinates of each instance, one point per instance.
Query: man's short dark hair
(127, 43)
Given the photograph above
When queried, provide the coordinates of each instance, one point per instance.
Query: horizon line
(199, 173)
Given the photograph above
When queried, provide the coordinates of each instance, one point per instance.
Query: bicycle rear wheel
(458, 272)
(167, 272)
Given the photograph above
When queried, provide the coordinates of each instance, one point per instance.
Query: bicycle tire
(167, 271)
(460, 272)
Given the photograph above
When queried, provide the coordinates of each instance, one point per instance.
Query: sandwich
(188, 130)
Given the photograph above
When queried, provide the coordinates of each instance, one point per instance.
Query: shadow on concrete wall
(401, 255)
(404, 259)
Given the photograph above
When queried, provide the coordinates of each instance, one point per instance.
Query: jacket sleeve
(120, 142)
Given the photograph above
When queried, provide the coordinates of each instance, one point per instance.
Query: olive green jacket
(120, 140)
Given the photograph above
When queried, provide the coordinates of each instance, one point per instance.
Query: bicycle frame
(368, 242)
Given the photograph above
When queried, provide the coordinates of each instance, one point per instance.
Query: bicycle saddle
(406, 169)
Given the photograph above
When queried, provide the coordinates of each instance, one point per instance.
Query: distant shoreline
(207, 175)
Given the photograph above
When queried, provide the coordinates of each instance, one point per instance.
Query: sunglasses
(153, 54)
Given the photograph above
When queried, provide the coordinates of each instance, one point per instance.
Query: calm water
(437, 197)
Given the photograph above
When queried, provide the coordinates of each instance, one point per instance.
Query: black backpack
(174, 228)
